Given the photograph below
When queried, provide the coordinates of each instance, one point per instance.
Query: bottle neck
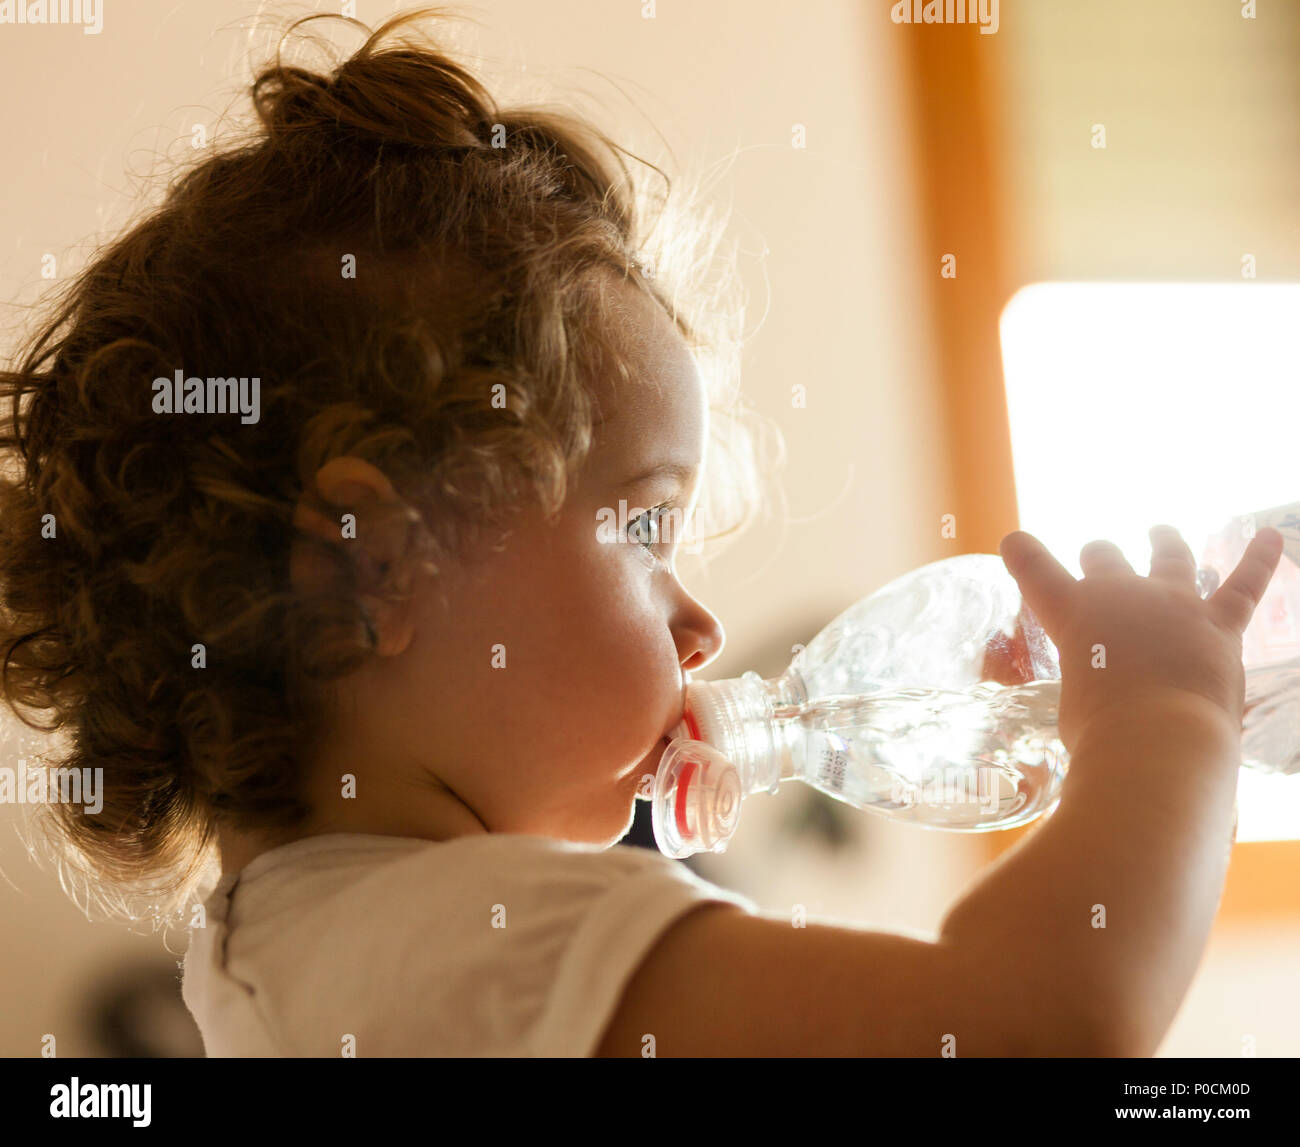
(751, 721)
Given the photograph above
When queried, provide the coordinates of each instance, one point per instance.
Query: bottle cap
(696, 803)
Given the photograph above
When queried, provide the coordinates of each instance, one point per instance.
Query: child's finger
(1044, 583)
(1171, 557)
(1103, 557)
(1235, 601)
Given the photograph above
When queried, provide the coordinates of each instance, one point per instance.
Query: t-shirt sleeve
(609, 938)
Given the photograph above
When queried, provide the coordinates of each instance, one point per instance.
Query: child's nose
(700, 639)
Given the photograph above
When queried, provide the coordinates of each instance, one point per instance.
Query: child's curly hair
(385, 250)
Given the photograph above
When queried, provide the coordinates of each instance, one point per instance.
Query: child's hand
(1124, 639)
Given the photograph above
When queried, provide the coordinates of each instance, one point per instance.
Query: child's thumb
(1044, 583)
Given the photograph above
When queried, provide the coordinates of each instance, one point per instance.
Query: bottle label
(833, 764)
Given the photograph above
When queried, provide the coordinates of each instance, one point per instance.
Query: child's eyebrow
(684, 474)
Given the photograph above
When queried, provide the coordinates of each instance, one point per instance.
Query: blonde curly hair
(482, 240)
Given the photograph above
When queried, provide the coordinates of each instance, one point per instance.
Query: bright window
(1134, 403)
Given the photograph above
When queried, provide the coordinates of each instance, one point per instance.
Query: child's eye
(645, 528)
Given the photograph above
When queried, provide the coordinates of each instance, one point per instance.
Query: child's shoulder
(528, 859)
(359, 859)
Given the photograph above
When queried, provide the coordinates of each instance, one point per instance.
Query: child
(361, 643)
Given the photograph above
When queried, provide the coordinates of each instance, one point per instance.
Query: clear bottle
(934, 701)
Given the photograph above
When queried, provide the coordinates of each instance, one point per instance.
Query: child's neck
(239, 849)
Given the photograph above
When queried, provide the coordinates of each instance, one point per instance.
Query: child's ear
(377, 543)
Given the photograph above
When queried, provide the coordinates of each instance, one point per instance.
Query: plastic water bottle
(934, 701)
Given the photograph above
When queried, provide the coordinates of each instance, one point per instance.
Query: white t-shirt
(491, 945)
